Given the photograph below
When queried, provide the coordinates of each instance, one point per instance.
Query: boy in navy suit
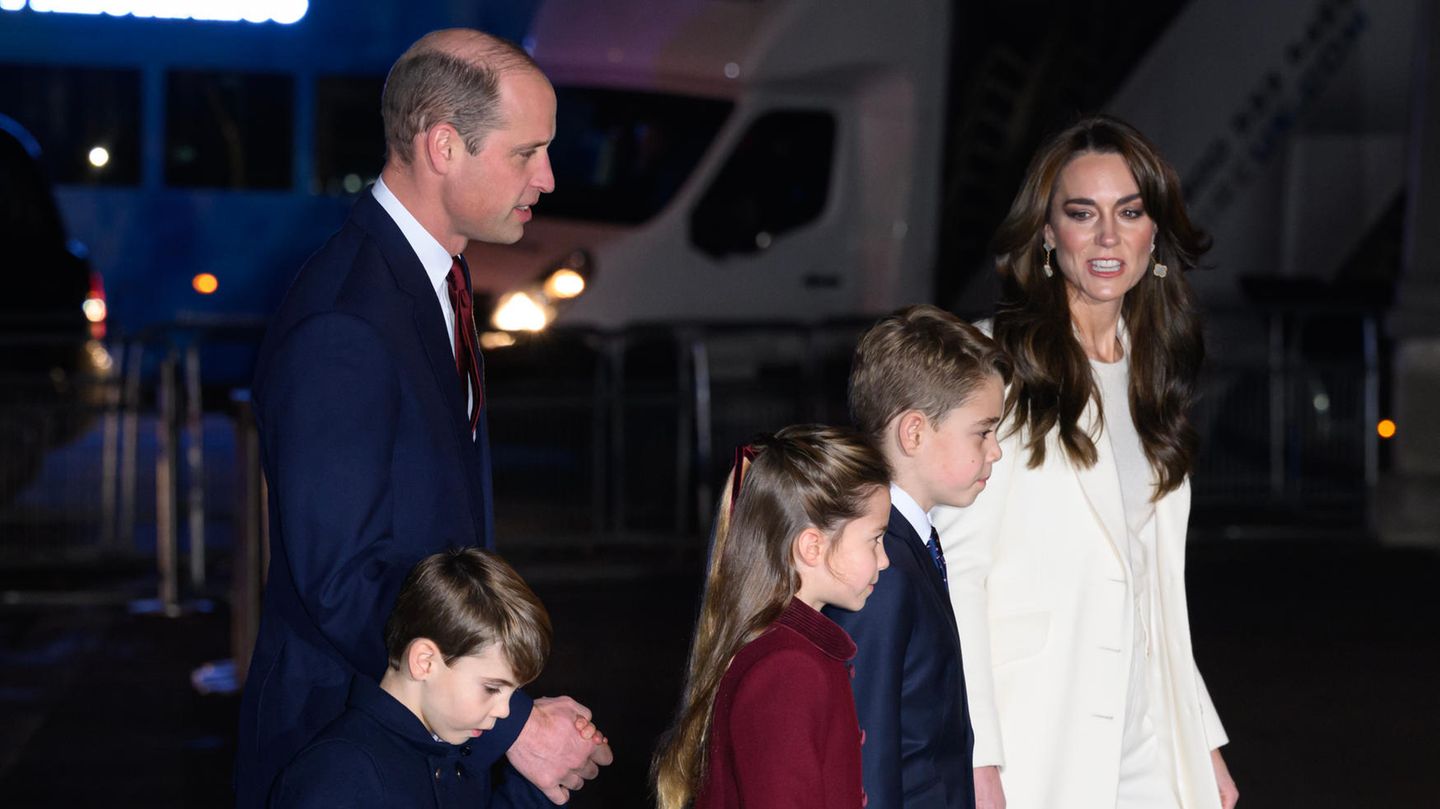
(927, 388)
(465, 633)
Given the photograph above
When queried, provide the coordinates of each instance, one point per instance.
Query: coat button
(459, 776)
(437, 773)
(465, 751)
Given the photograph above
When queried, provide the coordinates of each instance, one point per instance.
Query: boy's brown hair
(919, 358)
(465, 599)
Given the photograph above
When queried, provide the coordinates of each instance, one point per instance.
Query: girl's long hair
(802, 476)
(1052, 383)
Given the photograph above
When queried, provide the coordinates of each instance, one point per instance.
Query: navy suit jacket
(379, 754)
(909, 684)
(371, 465)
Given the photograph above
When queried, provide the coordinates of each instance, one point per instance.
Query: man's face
(488, 195)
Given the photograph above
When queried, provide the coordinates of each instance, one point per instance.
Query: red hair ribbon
(743, 453)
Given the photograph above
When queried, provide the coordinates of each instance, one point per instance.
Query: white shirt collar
(911, 511)
(433, 256)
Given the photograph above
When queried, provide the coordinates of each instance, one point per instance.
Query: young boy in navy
(465, 633)
(927, 388)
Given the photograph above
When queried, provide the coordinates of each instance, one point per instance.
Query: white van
(730, 160)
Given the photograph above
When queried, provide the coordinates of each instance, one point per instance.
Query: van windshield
(620, 155)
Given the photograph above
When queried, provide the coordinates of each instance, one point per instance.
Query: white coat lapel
(1101, 484)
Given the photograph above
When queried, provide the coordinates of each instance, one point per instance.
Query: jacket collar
(816, 628)
(369, 698)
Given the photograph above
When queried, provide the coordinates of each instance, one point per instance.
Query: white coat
(1041, 586)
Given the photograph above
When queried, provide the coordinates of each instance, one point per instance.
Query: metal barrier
(621, 437)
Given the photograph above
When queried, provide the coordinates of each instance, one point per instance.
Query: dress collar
(816, 628)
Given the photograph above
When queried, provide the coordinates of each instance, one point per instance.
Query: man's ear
(910, 427)
(809, 547)
(422, 658)
(440, 144)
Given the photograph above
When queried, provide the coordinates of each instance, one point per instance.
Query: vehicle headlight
(533, 307)
(521, 311)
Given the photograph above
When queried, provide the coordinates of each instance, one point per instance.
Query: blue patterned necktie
(938, 555)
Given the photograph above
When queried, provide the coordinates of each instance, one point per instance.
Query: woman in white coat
(1067, 576)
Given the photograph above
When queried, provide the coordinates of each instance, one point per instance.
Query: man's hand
(1229, 793)
(559, 749)
(988, 793)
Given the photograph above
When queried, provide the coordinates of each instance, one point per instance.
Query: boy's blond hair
(919, 358)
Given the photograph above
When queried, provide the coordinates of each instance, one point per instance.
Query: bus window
(226, 129)
(86, 117)
(349, 135)
(776, 180)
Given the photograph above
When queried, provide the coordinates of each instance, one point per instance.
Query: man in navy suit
(926, 387)
(369, 399)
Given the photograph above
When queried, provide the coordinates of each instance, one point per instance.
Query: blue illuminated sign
(256, 11)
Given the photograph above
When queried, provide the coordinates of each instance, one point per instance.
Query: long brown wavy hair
(802, 476)
(1053, 384)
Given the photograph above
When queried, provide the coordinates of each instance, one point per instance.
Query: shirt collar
(433, 256)
(911, 511)
(827, 636)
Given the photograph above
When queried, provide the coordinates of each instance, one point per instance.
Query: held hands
(559, 749)
(1229, 794)
(988, 794)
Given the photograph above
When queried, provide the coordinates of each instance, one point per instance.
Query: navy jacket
(379, 754)
(909, 684)
(371, 466)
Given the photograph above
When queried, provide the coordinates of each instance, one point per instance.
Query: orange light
(205, 283)
(1385, 429)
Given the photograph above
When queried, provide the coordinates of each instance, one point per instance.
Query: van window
(85, 120)
(225, 129)
(775, 181)
(619, 156)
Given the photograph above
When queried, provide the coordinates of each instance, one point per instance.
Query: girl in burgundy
(767, 718)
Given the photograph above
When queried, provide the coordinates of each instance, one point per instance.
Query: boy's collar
(369, 698)
(902, 502)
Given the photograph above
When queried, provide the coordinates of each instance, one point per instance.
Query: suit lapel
(429, 322)
(1101, 484)
(904, 533)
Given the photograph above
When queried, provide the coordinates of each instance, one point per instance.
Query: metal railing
(602, 439)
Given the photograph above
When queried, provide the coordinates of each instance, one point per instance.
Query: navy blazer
(371, 465)
(379, 754)
(909, 684)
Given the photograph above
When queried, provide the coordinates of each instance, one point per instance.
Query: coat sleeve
(512, 791)
(1215, 735)
(881, 632)
(328, 412)
(968, 537)
(778, 720)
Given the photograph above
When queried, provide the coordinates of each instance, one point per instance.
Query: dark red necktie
(467, 355)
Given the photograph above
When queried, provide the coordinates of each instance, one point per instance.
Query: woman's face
(1100, 230)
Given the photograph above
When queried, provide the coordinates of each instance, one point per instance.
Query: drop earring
(1160, 269)
(1048, 272)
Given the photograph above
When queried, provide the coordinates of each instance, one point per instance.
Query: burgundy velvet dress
(784, 733)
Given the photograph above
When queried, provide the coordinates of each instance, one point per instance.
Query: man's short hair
(919, 358)
(428, 85)
(463, 600)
